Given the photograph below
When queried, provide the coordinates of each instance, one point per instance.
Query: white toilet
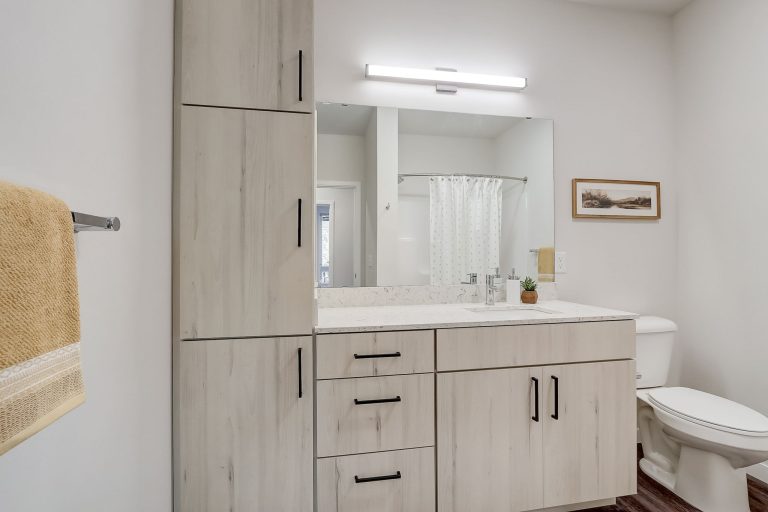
(695, 444)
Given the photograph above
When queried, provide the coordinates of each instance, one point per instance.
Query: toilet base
(709, 482)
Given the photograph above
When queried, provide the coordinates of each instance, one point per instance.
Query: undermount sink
(508, 308)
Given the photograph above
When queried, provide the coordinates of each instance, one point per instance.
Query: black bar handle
(301, 384)
(535, 416)
(374, 356)
(556, 416)
(378, 401)
(301, 75)
(299, 222)
(396, 476)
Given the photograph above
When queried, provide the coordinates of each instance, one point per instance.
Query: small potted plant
(529, 295)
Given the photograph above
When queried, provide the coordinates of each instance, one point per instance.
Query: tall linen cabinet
(242, 256)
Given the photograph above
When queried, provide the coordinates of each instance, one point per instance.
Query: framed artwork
(616, 199)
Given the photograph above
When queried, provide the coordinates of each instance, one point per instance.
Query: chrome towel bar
(85, 222)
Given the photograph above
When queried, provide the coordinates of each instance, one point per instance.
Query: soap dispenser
(513, 288)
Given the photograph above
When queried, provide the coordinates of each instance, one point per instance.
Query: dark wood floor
(652, 497)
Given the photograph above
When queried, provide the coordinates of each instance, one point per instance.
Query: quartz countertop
(437, 316)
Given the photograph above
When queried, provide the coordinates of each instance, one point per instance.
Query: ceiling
(668, 7)
(342, 119)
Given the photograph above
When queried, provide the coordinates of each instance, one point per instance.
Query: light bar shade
(436, 76)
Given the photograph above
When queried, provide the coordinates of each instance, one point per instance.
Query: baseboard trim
(759, 471)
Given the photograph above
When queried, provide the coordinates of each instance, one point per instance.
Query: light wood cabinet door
(589, 437)
(488, 444)
(372, 354)
(248, 54)
(396, 481)
(245, 223)
(245, 425)
(534, 345)
(375, 414)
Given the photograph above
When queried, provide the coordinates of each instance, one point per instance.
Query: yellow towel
(40, 376)
(546, 264)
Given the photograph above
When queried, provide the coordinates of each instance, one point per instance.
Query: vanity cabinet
(493, 419)
(255, 54)
(589, 438)
(489, 450)
(376, 421)
(245, 425)
(395, 481)
(245, 223)
(552, 434)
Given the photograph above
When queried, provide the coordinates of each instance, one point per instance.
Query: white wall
(386, 197)
(370, 217)
(434, 153)
(340, 157)
(604, 76)
(85, 113)
(722, 158)
(528, 210)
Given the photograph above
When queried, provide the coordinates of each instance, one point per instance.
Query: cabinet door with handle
(245, 425)
(245, 191)
(489, 428)
(247, 54)
(589, 432)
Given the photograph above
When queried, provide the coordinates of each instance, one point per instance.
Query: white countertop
(436, 316)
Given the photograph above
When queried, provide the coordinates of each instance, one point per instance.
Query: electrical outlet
(560, 263)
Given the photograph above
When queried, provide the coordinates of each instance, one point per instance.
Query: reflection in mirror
(415, 197)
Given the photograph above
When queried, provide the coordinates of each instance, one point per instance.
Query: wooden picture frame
(616, 199)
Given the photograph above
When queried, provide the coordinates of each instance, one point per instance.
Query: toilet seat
(710, 411)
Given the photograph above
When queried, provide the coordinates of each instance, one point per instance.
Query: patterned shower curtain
(465, 227)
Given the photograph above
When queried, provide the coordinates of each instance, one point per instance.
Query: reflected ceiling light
(442, 76)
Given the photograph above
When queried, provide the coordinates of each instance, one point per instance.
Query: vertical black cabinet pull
(301, 75)
(556, 416)
(301, 384)
(359, 480)
(299, 223)
(535, 416)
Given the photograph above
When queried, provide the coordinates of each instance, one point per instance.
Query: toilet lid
(710, 410)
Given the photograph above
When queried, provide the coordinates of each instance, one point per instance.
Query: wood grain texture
(528, 345)
(346, 428)
(413, 492)
(589, 451)
(336, 354)
(245, 54)
(245, 436)
(489, 450)
(654, 497)
(241, 176)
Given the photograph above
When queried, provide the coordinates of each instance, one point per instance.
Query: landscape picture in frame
(616, 199)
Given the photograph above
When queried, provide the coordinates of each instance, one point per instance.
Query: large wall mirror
(417, 197)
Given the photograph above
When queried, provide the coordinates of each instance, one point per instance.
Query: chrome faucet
(472, 279)
(491, 287)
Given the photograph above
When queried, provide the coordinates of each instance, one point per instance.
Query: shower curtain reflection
(465, 227)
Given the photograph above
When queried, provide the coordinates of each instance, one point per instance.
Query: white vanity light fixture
(445, 77)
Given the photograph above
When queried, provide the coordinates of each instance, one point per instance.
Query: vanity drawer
(375, 414)
(399, 481)
(527, 345)
(369, 354)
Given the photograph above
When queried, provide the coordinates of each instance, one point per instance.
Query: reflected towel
(40, 376)
(546, 264)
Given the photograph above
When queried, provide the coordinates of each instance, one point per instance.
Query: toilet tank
(655, 337)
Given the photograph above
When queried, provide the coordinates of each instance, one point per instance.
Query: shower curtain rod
(437, 174)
